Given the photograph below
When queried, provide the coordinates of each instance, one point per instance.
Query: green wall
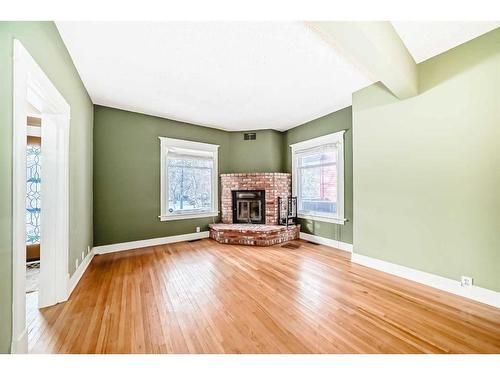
(427, 169)
(336, 121)
(261, 155)
(127, 174)
(43, 42)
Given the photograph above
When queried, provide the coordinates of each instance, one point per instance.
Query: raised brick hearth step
(253, 234)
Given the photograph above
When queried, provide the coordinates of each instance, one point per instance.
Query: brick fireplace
(274, 184)
(262, 189)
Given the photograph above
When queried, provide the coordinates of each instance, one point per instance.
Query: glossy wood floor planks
(205, 297)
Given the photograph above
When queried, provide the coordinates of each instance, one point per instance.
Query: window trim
(170, 143)
(338, 139)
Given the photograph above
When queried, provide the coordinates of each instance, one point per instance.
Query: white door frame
(31, 85)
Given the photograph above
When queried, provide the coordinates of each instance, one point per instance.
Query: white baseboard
(151, 242)
(19, 345)
(326, 241)
(77, 275)
(487, 296)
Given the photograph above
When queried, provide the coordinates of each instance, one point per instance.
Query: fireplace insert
(249, 206)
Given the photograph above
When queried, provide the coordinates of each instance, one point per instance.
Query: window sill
(325, 219)
(188, 216)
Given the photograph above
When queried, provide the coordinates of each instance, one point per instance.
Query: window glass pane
(309, 160)
(318, 156)
(189, 184)
(190, 162)
(317, 183)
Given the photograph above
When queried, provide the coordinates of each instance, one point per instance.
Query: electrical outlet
(88, 249)
(198, 229)
(466, 281)
(76, 263)
(83, 255)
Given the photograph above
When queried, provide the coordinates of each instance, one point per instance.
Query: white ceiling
(228, 75)
(232, 75)
(427, 39)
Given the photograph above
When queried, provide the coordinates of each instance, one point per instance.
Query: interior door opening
(41, 121)
(34, 178)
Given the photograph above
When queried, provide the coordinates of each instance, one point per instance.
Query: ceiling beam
(376, 49)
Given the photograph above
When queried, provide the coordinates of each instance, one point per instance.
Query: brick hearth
(253, 234)
(275, 184)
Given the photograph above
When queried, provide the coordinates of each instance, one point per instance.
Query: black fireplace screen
(249, 206)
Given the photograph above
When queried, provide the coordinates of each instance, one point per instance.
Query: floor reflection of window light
(310, 285)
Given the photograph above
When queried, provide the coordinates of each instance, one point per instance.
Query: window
(188, 179)
(318, 178)
(33, 193)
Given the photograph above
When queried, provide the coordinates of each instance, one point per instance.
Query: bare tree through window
(189, 184)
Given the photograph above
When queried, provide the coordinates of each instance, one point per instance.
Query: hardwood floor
(204, 297)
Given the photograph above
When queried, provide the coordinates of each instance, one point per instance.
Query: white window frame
(172, 144)
(334, 138)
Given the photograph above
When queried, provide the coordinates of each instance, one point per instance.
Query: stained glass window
(33, 201)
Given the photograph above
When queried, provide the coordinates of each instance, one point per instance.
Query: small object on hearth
(287, 211)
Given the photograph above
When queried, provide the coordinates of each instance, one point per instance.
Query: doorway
(33, 216)
(34, 93)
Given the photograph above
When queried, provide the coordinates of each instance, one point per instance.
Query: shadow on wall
(465, 57)
(322, 229)
(436, 71)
